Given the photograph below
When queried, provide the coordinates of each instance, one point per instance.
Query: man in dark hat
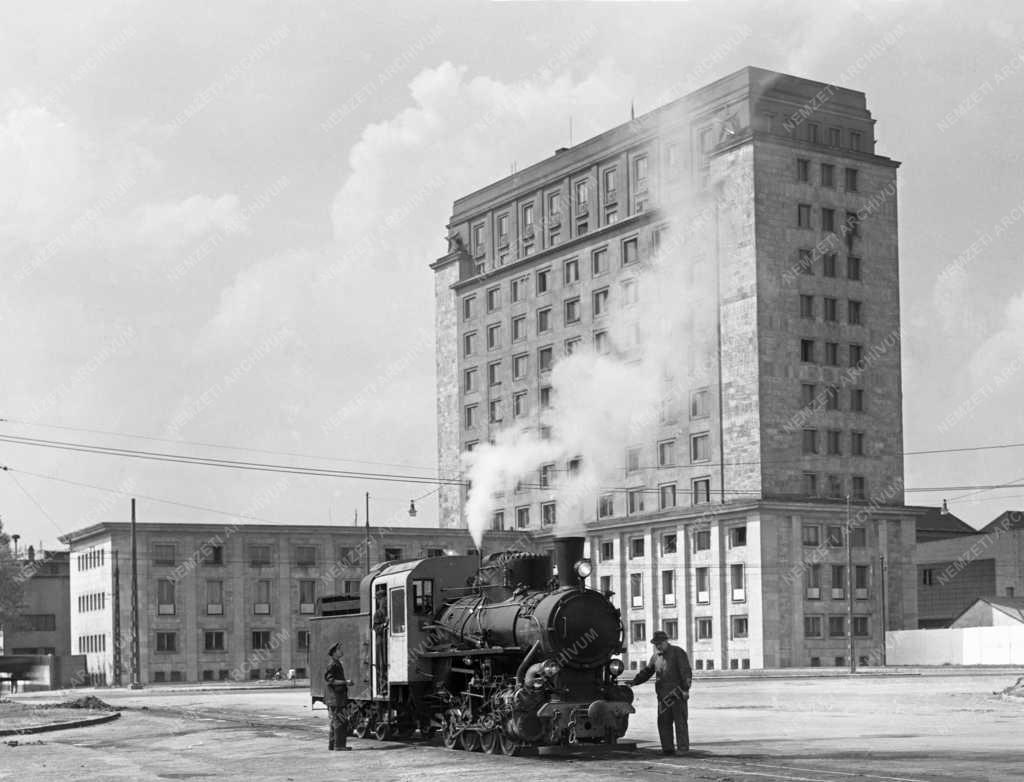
(672, 687)
(336, 698)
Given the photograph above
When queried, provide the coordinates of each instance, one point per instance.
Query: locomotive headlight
(615, 667)
(584, 568)
(551, 669)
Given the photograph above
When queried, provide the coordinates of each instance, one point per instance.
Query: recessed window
(636, 548)
(636, 500)
(806, 306)
(638, 632)
(701, 491)
(543, 320)
(629, 251)
(528, 216)
(519, 404)
(163, 554)
(572, 345)
(854, 312)
(630, 292)
(856, 400)
(494, 336)
(259, 556)
(832, 441)
(704, 629)
(808, 391)
(494, 411)
(700, 403)
(836, 626)
(543, 280)
(805, 260)
(599, 261)
(545, 358)
(606, 506)
(581, 192)
(668, 543)
(503, 228)
(632, 459)
(571, 271)
(305, 556)
(469, 379)
(609, 181)
(831, 307)
(810, 484)
(702, 540)
(493, 299)
(829, 265)
(470, 416)
(607, 550)
(167, 642)
(828, 175)
(553, 204)
(739, 627)
(544, 395)
(803, 170)
(668, 587)
(810, 441)
(832, 354)
(812, 627)
(737, 536)
(519, 328)
(469, 344)
(572, 310)
(582, 228)
(213, 640)
(828, 219)
(803, 216)
(856, 443)
(600, 302)
(831, 398)
(852, 268)
(807, 351)
(855, 140)
(520, 366)
(547, 514)
(601, 344)
(851, 180)
(859, 487)
(813, 132)
(494, 374)
(523, 517)
(165, 589)
(260, 639)
(517, 289)
(811, 535)
(700, 448)
(640, 168)
(666, 453)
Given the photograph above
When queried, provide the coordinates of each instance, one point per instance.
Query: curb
(83, 723)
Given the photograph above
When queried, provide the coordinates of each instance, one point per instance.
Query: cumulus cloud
(175, 223)
(999, 360)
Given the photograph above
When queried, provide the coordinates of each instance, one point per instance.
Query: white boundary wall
(960, 646)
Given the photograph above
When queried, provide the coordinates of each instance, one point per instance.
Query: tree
(12, 582)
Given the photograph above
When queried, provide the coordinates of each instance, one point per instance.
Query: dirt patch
(85, 702)
(1015, 690)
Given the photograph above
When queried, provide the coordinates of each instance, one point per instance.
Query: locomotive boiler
(498, 655)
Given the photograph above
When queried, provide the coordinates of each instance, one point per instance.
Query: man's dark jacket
(337, 689)
(673, 671)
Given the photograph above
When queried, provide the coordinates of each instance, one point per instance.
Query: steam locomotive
(497, 655)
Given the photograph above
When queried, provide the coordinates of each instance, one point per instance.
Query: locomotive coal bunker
(497, 655)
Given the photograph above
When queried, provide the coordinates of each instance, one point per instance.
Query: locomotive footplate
(594, 720)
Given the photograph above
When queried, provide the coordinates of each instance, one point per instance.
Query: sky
(217, 220)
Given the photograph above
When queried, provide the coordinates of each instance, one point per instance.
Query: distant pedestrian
(672, 687)
(336, 698)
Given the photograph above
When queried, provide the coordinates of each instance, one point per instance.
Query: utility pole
(116, 607)
(136, 684)
(849, 586)
(885, 625)
(366, 543)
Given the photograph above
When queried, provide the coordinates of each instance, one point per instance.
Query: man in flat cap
(672, 687)
(336, 698)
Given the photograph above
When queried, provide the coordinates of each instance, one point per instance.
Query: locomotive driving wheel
(362, 726)
(450, 736)
(469, 740)
(509, 746)
(490, 742)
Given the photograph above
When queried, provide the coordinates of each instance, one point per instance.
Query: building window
(838, 582)
(810, 441)
(494, 336)
(582, 228)
(702, 540)
(545, 358)
(517, 289)
(851, 180)
(636, 548)
(523, 517)
(927, 577)
(543, 281)
(829, 266)
(164, 597)
(636, 501)
(737, 536)
(543, 320)
(807, 351)
(832, 442)
(629, 251)
(497, 524)
(810, 481)
(545, 397)
(830, 308)
(667, 495)
(214, 598)
(861, 574)
(520, 366)
(803, 170)
(163, 554)
(609, 183)
(701, 491)
(739, 627)
(806, 306)
(834, 136)
(260, 639)
(852, 268)
(828, 219)
(857, 400)
(636, 590)
(572, 345)
(547, 514)
(528, 216)
(860, 626)
(632, 459)
(607, 550)
(704, 629)
(469, 379)
(478, 238)
(599, 261)
(600, 302)
(494, 373)
(606, 506)
(469, 344)
(261, 605)
(503, 229)
(468, 303)
(471, 416)
(553, 204)
(213, 555)
(601, 344)
(699, 403)
(666, 453)
(835, 486)
(519, 328)
(805, 260)
(803, 216)
(739, 593)
(834, 536)
(831, 398)
(832, 354)
(571, 271)
(638, 632)
(812, 132)
(581, 193)
(519, 405)
(810, 535)
(392, 554)
(167, 642)
(640, 169)
(668, 587)
(853, 312)
(493, 299)
(856, 443)
(700, 448)
(814, 582)
(859, 487)
(305, 556)
(828, 175)
(213, 640)
(836, 627)
(855, 140)
(812, 627)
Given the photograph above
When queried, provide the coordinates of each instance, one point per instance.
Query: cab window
(423, 596)
(397, 611)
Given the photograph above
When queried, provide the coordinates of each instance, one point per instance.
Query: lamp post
(366, 543)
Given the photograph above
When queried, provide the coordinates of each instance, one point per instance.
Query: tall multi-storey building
(223, 602)
(43, 626)
(765, 197)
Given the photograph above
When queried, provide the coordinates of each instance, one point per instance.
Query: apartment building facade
(221, 602)
(766, 192)
(43, 627)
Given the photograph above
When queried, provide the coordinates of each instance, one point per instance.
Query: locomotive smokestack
(568, 551)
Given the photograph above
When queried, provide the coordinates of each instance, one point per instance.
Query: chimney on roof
(560, 150)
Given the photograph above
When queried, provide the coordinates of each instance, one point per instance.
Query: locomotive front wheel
(362, 726)
(470, 741)
(450, 737)
(490, 742)
(382, 731)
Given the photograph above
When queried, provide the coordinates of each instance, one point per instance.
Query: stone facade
(224, 602)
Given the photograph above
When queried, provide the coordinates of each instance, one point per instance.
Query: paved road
(892, 729)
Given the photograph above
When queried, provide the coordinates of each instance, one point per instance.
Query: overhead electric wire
(34, 501)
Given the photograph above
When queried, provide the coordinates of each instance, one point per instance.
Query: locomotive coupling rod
(491, 650)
